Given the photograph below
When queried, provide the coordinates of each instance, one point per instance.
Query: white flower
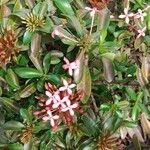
(67, 87)
(61, 102)
(126, 15)
(51, 118)
(141, 32)
(70, 107)
(52, 97)
(140, 14)
(71, 66)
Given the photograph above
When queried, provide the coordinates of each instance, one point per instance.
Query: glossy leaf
(9, 103)
(26, 115)
(85, 84)
(28, 72)
(108, 69)
(12, 79)
(34, 53)
(65, 7)
(27, 91)
(90, 127)
(47, 62)
(13, 125)
(27, 37)
(15, 146)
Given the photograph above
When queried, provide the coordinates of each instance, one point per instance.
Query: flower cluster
(8, 48)
(71, 66)
(59, 103)
(139, 15)
(33, 22)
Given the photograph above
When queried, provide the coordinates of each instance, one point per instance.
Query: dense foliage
(74, 74)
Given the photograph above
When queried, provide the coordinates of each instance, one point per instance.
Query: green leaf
(104, 17)
(136, 108)
(77, 25)
(12, 79)
(110, 56)
(34, 53)
(131, 93)
(89, 126)
(17, 6)
(145, 110)
(1, 91)
(15, 146)
(109, 73)
(86, 144)
(65, 7)
(27, 91)
(47, 26)
(47, 62)
(22, 60)
(29, 145)
(10, 104)
(130, 124)
(40, 85)
(43, 9)
(3, 2)
(37, 8)
(103, 35)
(39, 126)
(54, 78)
(27, 37)
(13, 125)
(28, 72)
(2, 118)
(85, 84)
(27, 117)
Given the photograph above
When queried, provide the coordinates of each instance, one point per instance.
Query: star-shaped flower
(52, 97)
(141, 32)
(70, 108)
(67, 87)
(126, 15)
(70, 66)
(51, 118)
(61, 102)
(140, 14)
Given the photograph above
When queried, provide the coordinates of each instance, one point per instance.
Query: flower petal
(48, 102)
(45, 118)
(49, 113)
(62, 88)
(64, 109)
(74, 105)
(69, 91)
(70, 72)
(56, 117)
(122, 16)
(71, 112)
(52, 122)
(56, 105)
(65, 82)
(125, 11)
(72, 86)
(127, 20)
(66, 60)
(48, 94)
